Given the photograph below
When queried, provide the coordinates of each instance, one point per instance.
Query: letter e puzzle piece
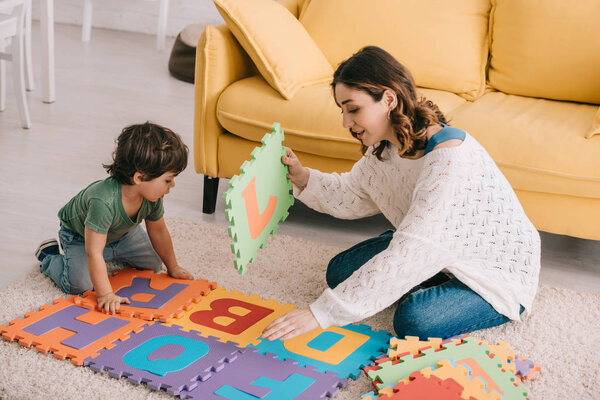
(165, 357)
(232, 316)
(70, 331)
(258, 199)
(153, 296)
(343, 350)
(255, 376)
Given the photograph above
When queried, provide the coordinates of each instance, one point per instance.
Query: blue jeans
(441, 306)
(70, 271)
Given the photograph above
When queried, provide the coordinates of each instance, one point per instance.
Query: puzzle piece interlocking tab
(258, 199)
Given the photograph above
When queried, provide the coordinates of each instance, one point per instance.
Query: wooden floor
(117, 79)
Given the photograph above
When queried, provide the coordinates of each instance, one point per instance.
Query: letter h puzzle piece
(165, 357)
(153, 296)
(232, 316)
(69, 330)
(258, 199)
(254, 376)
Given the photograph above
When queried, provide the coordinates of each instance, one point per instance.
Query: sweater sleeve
(340, 195)
(411, 258)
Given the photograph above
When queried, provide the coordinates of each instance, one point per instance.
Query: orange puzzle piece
(232, 316)
(153, 296)
(71, 331)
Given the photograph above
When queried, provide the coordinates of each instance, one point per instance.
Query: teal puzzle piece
(258, 199)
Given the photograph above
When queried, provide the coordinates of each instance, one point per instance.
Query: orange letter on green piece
(257, 221)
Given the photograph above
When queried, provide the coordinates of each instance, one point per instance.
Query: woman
(464, 256)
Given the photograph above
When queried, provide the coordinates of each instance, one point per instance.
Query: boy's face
(156, 188)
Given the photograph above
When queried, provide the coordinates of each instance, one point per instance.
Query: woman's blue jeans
(70, 271)
(442, 306)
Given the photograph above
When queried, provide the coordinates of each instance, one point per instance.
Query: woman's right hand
(298, 174)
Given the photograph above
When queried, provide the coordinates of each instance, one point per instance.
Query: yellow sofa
(522, 77)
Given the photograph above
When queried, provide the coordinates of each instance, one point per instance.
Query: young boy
(102, 221)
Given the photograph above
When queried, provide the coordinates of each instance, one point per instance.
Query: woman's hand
(180, 273)
(298, 174)
(290, 325)
(110, 302)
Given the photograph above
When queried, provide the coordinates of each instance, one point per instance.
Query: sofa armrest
(220, 61)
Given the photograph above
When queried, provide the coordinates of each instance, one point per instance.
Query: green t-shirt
(100, 207)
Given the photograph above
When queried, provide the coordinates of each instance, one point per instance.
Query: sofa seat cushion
(540, 145)
(311, 120)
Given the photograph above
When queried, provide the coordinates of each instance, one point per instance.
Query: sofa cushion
(447, 49)
(282, 50)
(311, 119)
(539, 144)
(546, 48)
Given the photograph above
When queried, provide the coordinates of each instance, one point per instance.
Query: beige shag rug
(562, 334)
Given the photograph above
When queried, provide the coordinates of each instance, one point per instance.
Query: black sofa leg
(211, 187)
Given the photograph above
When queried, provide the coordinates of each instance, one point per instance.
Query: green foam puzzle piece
(258, 199)
(391, 373)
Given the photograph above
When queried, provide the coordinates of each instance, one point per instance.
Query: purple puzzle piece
(165, 357)
(266, 377)
(160, 297)
(523, 368)
(86, 334)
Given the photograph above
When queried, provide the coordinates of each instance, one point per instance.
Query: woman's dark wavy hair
(374, 70)
(147, 148)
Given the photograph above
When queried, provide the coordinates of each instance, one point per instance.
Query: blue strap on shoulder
(444, 134)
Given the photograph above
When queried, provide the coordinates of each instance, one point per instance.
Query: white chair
(161, 33)
(13, 26)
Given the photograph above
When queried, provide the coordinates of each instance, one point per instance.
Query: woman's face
(366, 118)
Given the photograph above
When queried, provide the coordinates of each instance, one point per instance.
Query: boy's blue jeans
(70, 271)
(442, 306)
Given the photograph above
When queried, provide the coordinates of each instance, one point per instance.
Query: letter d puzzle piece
(255, 376)
(69, 330)
(232, 316)
(153, 296)
(258, 199)
(165, 357)
(341, 350)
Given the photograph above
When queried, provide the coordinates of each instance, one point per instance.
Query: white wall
(135, 15)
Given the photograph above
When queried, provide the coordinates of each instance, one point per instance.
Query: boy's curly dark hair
(147, 148)
(374, 70)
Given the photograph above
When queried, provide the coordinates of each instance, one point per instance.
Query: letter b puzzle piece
(255, 376)
(153, 295)
(165, 357)
(232, 316)
(69, 330)
(258, 199)
(342, 350)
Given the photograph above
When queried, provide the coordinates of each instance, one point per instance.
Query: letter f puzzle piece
(258, 199)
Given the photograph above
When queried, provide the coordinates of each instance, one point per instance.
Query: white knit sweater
(453, 210)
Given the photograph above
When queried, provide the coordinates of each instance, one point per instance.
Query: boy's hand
(298, 174)
(110, 302)
(180, 273)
